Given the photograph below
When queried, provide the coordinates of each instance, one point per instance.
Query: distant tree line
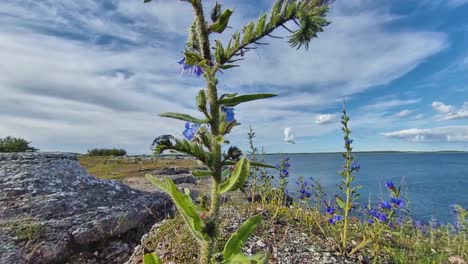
(107, 152)
(13, 144)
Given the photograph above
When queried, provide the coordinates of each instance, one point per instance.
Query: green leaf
(240, 258)
(220, 25)
(261, 25)
(184, 117)
(238, 176)
(219, 52)
(151, 258)
(254, 164)
(233, 101)
(236, 241)
(340, 202)
(228, 66)
(192, 58)
(189, 211)
(202, 173)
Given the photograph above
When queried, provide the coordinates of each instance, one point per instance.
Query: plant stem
(207, 247)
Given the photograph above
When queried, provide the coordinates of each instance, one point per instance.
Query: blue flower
(370, 221)
(229, 111)
(287, 164)
(334, 219)
(382, 217)
(190, 130)
(195, 69)
(349, 141)
(397, 201)
(330, 210)
(385, 205)
(390, 185)
(355, 167)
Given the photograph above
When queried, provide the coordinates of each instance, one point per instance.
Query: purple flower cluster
(390, 185)
(381, 216)
(195, 69)
(284, 168)
(398, 202)
(303, 190)
(190, 130)
(229, 111)
(334, 218)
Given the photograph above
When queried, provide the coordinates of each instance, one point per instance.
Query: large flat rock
(52, 209)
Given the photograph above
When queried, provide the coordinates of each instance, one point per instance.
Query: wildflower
(330, 209)
(382, 217)
(190, 130)
(334, 219)
(371, 221)
(349, 141)
(288, 135)
(391, 225)
(355, 167)
(390, 185)
(397, 201)
(229, 111)
(287, 164)
(374, 213)
(195, 69)
(385, 205)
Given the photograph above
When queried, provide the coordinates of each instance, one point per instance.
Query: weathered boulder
(53, 211)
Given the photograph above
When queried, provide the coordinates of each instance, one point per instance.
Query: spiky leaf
(253, 164)
(238, 176)
(220, 25)
(233, 101)
(184, 117)
(236, 241)
(189, 211)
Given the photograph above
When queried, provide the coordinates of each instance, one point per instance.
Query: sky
(76, 75)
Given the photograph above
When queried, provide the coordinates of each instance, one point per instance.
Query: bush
(12, 144)
(107, 152)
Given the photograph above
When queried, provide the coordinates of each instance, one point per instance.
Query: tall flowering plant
(347, 201)
(205, 135)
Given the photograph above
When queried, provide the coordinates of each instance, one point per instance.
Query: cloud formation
(449, 112)
(404, 113)
(324, 118)
(441, 134)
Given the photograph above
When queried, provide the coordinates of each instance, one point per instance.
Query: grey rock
(53, 211)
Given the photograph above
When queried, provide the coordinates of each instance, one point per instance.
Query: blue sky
(82, 74)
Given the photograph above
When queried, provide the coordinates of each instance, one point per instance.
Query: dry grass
(119, 169)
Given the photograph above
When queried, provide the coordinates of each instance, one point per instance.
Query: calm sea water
(432, 181)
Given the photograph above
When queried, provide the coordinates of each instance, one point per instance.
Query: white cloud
(386, 103)
(448, 112)
(441, 134)
(419, 116)
(441, 107)
(324, 118)
(404, 113)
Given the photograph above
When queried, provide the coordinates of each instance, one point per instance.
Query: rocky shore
(53, 211)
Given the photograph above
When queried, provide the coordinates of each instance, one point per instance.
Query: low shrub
(107, 152)
(13, 144)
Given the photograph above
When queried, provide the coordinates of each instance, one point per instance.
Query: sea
(431, 182)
